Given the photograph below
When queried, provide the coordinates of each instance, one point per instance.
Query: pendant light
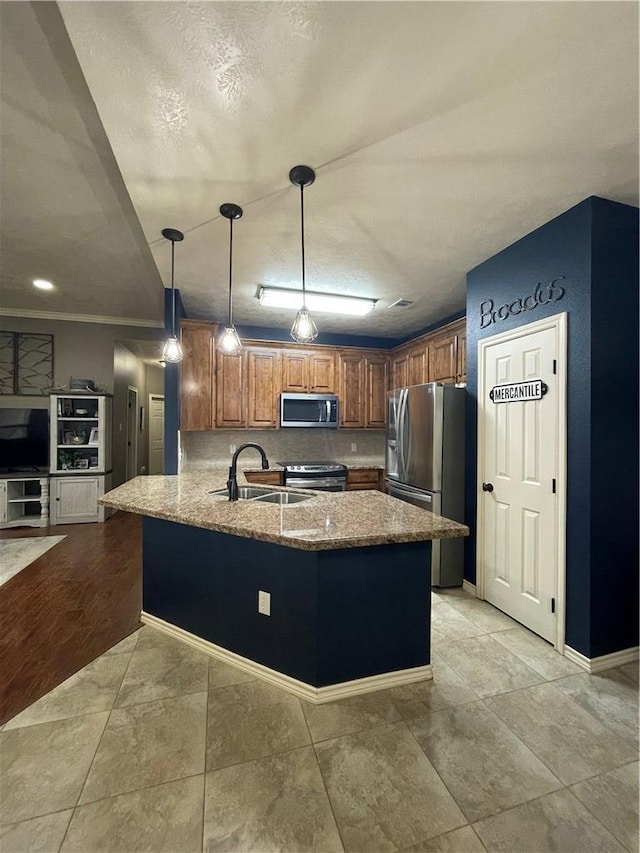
(304, 329)
(172, 350)
(230, 343)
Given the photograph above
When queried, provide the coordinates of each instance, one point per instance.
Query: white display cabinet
(24, 501)
(80, 456)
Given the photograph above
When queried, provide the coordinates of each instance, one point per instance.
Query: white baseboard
(315, 695)
(469, 587)
(604, 661)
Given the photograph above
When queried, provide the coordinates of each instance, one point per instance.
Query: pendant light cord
(304, 296)
(173, 292)
(230, 264)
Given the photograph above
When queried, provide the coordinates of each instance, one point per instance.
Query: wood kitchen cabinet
(351, 390)
(418, 365)
(399, 371)
(308, 372)
(265, 478)
(443, 352)
(197, 405)
(364, 478)
(376, 376)
(231, 397)
(263, 388)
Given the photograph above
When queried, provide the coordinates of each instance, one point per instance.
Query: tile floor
(156, 747)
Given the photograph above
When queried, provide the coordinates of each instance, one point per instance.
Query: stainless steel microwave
(309, 410)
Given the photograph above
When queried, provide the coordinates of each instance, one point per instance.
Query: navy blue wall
(594, 247)
(171, 390)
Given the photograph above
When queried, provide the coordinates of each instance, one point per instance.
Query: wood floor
(68, 606)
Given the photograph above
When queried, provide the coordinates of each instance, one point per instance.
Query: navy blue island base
(336, 615)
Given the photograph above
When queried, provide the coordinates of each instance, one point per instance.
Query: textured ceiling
(440, 132)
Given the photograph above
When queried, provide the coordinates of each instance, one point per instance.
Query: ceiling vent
(401, 303)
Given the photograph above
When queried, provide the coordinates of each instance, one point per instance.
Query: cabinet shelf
(80, 472)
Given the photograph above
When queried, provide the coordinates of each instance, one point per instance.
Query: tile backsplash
(212, 449)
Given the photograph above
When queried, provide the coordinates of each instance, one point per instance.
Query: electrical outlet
(232, 448)
(264, 603)
(354, 447)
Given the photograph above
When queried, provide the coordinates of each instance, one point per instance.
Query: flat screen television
(24, 440)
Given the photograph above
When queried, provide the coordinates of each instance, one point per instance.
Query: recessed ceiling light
(42, 284)
(334, 303)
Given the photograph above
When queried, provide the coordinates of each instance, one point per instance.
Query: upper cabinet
(308, 372)
(263, 387)
(243, 391)
(196, 376)
(231, 409)
(439, 356)
(376, 383)
(351, 389)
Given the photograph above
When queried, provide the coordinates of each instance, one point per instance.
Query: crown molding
(81, 318)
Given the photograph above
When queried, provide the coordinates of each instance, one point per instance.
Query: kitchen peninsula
(347, 576)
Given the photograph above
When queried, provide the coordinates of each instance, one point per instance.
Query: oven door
(320, 484)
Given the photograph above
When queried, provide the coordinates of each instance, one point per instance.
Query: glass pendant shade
(230, 343)
(172, 350)
(304, 330)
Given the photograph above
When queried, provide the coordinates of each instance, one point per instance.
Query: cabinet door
(442, 359)
(263, 374)
(196, 377)
(3, 501)
(399, 372)
(363, 478)
(417, 372)
(230, 397)
(376, 373)
(75, 499)
(322, 369)
(295, 372)
(351, 391)
(461, 375)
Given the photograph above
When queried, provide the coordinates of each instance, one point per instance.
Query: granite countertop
(326, 521)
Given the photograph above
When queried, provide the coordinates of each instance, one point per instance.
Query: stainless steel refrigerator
(425, 463)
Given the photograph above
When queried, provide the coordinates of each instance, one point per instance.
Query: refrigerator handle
(400, 433)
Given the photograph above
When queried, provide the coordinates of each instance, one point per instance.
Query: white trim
(559, 323)
(315, 695)
(469, 587)
(82, 318)
(597, 664)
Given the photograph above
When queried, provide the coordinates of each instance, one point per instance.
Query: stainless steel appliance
(322, 476)
(425, 463)
(309, 410)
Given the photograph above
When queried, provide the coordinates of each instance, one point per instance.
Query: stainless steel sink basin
(283, 498)
(263, 494)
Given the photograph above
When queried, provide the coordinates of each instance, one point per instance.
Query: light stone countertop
(328, 520)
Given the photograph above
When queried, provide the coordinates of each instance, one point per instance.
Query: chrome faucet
(232, 482)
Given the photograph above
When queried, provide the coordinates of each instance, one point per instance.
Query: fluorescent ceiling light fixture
(42, 284)
(330, 303)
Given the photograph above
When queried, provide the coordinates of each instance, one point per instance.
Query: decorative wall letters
(543, 294)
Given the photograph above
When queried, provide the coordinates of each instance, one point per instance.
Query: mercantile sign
(517, 392)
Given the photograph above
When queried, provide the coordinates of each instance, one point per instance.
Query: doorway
(156, 433)
(521, 488)
(132, 432)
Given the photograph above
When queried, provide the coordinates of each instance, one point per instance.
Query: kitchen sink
(283, 498)
(264, 494)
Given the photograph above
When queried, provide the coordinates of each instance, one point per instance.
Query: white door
(521, 482)
(75, 499)
(156, 434)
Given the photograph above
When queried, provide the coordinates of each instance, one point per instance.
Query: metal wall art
(26, 363)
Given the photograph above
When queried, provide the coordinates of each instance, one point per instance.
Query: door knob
(487, 487)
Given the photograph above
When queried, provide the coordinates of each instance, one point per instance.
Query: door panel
(520, 459)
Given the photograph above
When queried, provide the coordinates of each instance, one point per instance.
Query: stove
(323, 476)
